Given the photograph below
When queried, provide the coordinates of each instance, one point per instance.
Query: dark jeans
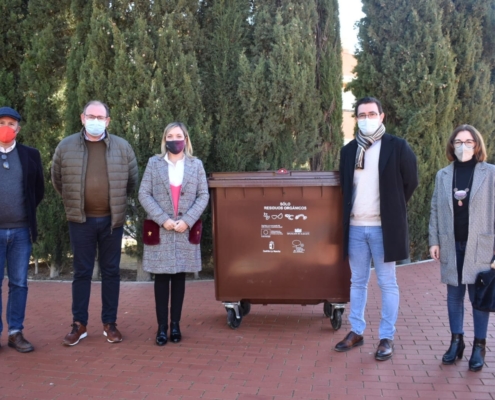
(178, 288)
(85, 239)
(455, 301)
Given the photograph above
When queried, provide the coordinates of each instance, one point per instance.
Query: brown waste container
(278, 239)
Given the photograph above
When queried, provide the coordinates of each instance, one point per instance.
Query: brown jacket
(69, 174)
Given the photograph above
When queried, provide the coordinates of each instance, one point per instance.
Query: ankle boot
(175, 335)
(477, 359)
(161, 335)
(456, 349)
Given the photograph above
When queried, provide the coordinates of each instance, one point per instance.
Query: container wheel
(232, 321)
(336, 319)
(245, 307)
(327, 309)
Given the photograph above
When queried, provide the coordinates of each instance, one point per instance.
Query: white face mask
(369, 126)
(464, 153)
(95, 127)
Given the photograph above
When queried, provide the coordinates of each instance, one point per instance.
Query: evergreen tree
(97, 66)
(11, 49)
(45, 34)
(226, 35)
(463, 24)
(155, 81)
(80, 17)
(406, 61)
(329, 85)
(277, 86)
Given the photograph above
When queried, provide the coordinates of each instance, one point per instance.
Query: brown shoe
(112, 333)
(77, 333)
(385, 350)
(351, 340)
(17, 341)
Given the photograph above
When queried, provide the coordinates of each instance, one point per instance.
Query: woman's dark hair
(479, 148)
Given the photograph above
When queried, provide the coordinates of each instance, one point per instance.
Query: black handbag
(484, 295)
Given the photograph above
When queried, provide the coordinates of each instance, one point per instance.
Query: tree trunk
(142, 276)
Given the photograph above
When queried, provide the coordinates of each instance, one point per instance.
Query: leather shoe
(385, 350)
(175, 335)
(161, 335)
(17, 341)
(111, 332)
(77, 333)
(477, 359)
(351, 340)
(456, 349)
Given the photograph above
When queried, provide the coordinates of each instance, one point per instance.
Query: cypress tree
(80, 17)
(329, 85)
(406, 61)
(277, 86)
(97, 66)
(226, 35)
(46, 34)
(463, 24)
(154, 81)
(11, 49)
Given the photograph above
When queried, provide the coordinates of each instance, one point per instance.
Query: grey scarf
(364, 143)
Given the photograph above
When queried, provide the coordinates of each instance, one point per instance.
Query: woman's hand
(169, 224)
(180, 226)
(435, 252)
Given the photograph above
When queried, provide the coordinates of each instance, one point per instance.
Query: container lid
(280, 178)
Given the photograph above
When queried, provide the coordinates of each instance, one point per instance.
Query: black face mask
(175, 146)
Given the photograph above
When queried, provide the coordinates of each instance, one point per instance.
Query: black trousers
(163, 283)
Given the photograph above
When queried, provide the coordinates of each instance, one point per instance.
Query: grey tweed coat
(481, 238)
(174, 254)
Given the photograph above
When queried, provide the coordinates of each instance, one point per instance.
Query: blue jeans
(455, 301)
(15, 247)
(365, 243)
(85, 238)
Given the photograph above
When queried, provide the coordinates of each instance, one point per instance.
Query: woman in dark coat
(174, 193)
(462, 234)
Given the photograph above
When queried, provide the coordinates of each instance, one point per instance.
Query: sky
(350, 13)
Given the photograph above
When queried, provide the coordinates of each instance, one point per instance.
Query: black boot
(478, 356)
(456, 349)
(175, 335)
(161, 335)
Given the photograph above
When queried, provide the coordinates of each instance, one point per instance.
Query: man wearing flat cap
(22, 183)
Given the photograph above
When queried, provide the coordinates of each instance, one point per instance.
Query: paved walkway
(279, 352)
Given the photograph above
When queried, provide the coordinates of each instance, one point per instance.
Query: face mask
(175, 146)
(369, 126)
(7, 134)
(95, 127)
(464, 153)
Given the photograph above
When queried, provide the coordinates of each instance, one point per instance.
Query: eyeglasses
(371, 115)
(5, 161)
(468, 143)
(93, 117)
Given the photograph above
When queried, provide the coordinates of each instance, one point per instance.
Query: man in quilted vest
(94, 172)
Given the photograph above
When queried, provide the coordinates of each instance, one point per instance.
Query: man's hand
(435, 252)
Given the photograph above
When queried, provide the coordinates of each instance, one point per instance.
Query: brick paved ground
(279, 352)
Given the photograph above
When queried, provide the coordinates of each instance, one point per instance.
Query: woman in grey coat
(174, 193)
(462, 233)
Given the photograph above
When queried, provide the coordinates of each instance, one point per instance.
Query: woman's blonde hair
(187, 149)
(479, 148)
